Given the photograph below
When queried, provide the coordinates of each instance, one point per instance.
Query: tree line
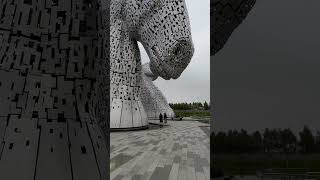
(270, 141)
(190, 106)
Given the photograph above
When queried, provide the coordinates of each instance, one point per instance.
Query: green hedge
(193, 113)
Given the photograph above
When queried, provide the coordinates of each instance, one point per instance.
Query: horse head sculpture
(154, 102)
(163, 28)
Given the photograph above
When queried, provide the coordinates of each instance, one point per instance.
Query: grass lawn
(193, 113)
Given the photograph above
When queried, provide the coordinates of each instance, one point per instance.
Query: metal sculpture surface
(152, 99)
(53, 90)
(225, 17)
(163, 28)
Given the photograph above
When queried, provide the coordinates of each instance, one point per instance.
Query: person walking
(160, 118)
(165, 118)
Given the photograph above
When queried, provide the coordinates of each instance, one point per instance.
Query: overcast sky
(194, 83)
(268, 74)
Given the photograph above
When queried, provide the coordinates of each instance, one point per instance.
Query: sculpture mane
(53, 84)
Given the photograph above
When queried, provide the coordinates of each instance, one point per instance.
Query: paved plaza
(180, 151)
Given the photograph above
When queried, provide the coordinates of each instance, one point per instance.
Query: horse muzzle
(174, 62)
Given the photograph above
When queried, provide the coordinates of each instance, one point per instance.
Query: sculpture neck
(126, 107)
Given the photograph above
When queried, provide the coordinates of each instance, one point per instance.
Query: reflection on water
(253, 177)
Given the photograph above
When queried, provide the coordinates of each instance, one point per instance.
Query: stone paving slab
(180, 151)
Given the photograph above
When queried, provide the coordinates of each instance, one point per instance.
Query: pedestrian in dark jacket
(160, 117)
